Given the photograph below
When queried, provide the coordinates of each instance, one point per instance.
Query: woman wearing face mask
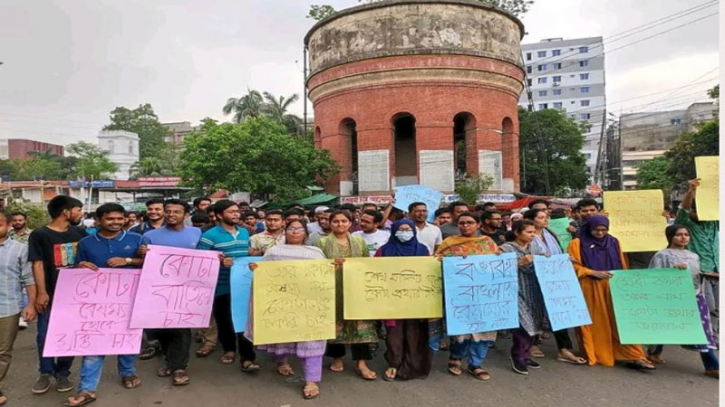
(532, 312)
(676, 255)
(474, 346)
(595, 253)
(408, 354)
(339, 245)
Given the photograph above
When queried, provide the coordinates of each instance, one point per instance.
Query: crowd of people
(30, 262)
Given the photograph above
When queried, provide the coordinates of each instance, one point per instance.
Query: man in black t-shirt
(49, 249)
(491, 226)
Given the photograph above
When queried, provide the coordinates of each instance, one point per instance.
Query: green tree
(37, 215)
(256, 156)
(714, 93)
(92, 162)
(473, 185)
(653, 174)
(276, 109)
(8, 169)
(37, 169)
(319, 11)
(705, 141)
(144, 122)
(245, 107)
(549, 144)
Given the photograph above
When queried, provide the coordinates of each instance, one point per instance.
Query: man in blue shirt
(175, 342)
(111, 247)
(233, 241)
(155, 216)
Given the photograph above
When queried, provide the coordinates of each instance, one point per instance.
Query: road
(680, 382)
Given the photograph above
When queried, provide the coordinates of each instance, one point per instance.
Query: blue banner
(406, 195)
(481, 293)
(241, 284)
(563, 296)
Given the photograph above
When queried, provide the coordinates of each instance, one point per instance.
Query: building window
(584, 89)
(543, 106)
(675, 122)
(557, 65)
(583, 50)
(130, 147)
(585, 116)
(584, 103)
(556, 79)
(541, 80)
(528, 69)
(557, 92)
(111, 147)
(557, 105)
(584, 63)
(542, 93)
(556, 52)
(541, 54)
(528, 81)
(542, 67)
(584, 76)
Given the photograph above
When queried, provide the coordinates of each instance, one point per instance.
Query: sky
(68, 63)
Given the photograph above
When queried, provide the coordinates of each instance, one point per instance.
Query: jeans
(92, 367)
(476, 351)
(57, 367)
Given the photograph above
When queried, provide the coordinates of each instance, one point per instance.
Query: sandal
(227, 358)
(285, 370)
(390, 374)
(657, 359)
(148, 353)
(454, 367)
(370, 376)
(337, 367)
(249, 367)
(479, 373)
(308, 389)
(87, 398)
(535, 352)
(641, 365)
(130, 382)
(180, 378)
(204, 352)
(163, 372)
(569, 357)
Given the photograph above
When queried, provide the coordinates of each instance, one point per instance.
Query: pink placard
(90, 313)
(176, 288)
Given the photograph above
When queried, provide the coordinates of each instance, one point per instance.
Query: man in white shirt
(374, 237)
(428, 234)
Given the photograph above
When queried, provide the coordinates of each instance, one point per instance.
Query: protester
(154, 215)
(491, 226)
(49, 249)
(251, 222)
(207, 337)
(310, 352)
(313, 227)
(199, 205)
(175, 342)
(323, 219)
(542, 204)
(442, 216)
(131, 220)
(473, 346)
(290, 215)
(548, 243)
(15, 273)
(111, 247)
(20, 231)
(340, 244)
(201, 220)
(427, 234)
(271, 236)
(532, 311)
(676, 255)
(595, 253)
(704, 242)
(373, 237)
(232, 242)
(451, 229)
(354, 213)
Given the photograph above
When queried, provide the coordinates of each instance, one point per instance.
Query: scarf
(599, 254)
(395, 247)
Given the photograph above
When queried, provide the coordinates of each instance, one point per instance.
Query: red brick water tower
(407, 92)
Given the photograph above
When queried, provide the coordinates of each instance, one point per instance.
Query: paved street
(678, 383)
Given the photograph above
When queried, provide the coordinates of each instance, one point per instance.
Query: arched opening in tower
(406, 163)
(464, 149)
(348, 128)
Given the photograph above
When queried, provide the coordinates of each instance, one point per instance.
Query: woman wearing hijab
(474, 346)
(677, 256)
(408, 354)
(595, 253)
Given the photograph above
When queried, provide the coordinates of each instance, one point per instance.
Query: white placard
(436, 169)
(373, 170)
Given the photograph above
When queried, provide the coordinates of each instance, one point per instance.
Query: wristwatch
(128, 261)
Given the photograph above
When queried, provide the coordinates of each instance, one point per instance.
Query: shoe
(532, 364)
(42, 384)
(22, 324)
(519, 368)
(713, 373)
(63, 384)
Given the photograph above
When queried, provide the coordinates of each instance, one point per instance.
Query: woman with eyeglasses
(473, 346)
(310, 352)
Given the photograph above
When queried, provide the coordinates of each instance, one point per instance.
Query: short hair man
(428, 234)
(20, 231)
(451, 229)
(373, 237)
(491, 223)
(154, 216)
(542, 204)
(442, 216)
(272, 235)
(323, 219)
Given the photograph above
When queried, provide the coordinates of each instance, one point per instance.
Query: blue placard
(559, 284)
(408, 194)
(481, 293)
(241, 284)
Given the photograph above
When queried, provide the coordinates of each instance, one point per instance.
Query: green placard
(559, 226)
(656, 306)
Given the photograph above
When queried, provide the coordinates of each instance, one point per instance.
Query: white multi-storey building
(569, 75)
(122, 149)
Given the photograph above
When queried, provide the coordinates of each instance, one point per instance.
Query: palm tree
(249, 105)
(276, 109)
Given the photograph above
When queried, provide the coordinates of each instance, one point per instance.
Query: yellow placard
(392, 288)
(294, 301)
(708, 193)
(636, 219)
